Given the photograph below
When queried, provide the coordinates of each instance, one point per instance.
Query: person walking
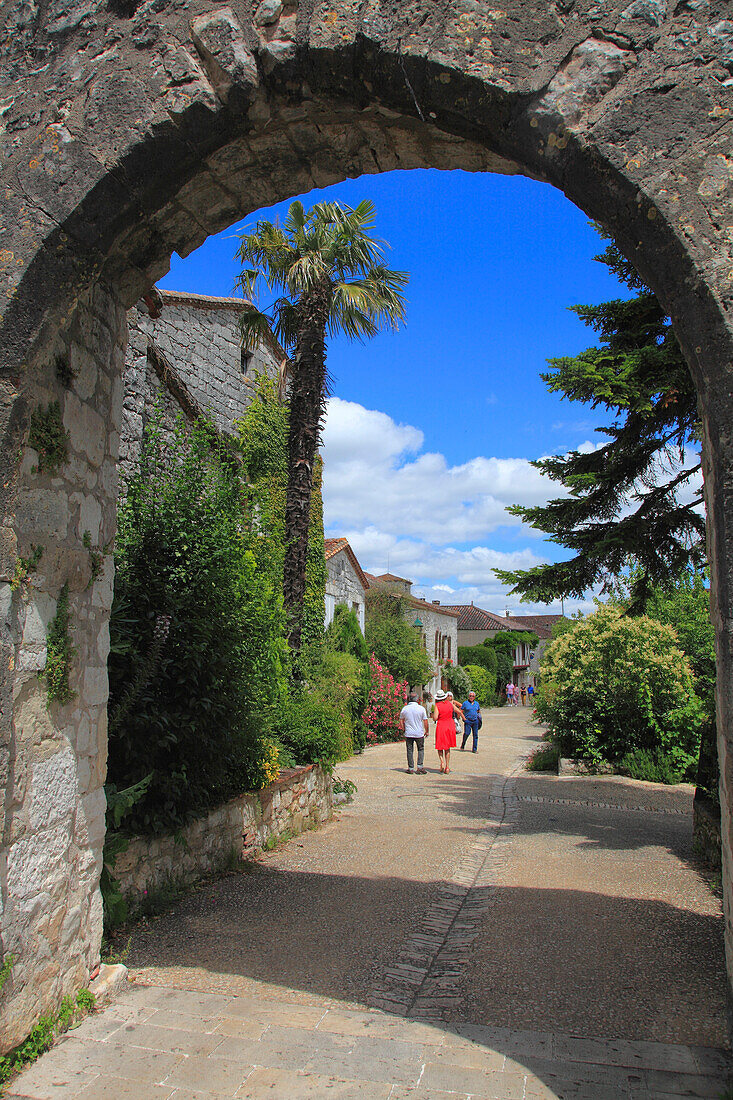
(510, 694)
(523, 692)
(471, 720)
(414, 725)
(444, 711)
(530, 693)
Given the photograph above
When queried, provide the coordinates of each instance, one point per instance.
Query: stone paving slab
(216, 1050)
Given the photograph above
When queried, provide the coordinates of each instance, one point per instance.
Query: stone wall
(301, 798)
(343, 585)
(53, 757)
(195, 340)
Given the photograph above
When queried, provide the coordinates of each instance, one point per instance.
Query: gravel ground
(601, 924)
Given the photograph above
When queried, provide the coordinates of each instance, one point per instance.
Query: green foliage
(60, 653)
(482, 655)
(503, 645)
(458, 680)
(654, 766)
(24, 567)
(96, 558)
(544, 759)
(345, 786)
(615, 684)
(197, 658)
(44, 1033)
(343, 634)
(482, 682)
(49, 438)
(307, 727)
(389, 636)
(6, 969)
(119, 804)
(341, 684)
(630, 500)
(263, 445)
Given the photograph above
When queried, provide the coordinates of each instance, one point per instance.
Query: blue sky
(432, 427)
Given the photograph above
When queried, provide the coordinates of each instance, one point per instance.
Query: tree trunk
(307, 412)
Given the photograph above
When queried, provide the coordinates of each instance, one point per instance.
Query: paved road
(487, 934)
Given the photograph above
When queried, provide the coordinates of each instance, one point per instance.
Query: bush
(545, 758)
(197, 655)
(396, 645)
(616, 684)
(653, 766)
(482, 683)
(343, 634)
(458, 680)
(482, 656)
(307, 729)
(386, 699)
(342, 684)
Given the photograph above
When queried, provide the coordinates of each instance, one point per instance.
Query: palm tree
(330, 276)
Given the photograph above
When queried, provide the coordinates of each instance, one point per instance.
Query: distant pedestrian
(510, 694)
(414, 725)
(530, 693)
(471, 720)
(523, 692)
(444, 711)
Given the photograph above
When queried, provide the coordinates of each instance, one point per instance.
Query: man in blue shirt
(471, 719)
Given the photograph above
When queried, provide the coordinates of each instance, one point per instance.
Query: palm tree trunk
(307, 412)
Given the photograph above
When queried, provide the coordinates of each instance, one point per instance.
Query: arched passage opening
(142, 133)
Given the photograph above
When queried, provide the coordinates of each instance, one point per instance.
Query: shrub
(386, 699)
(654, 766)
(482, 656)
(395, 643)
(458, 680)
(482, 683)
(343, 634)
(194, 564)
(341, 683)
(307, 729)
(616, 684)
(544, 759)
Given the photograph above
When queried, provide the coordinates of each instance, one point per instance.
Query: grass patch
(545, 758)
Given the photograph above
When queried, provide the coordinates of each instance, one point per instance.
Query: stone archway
(132, 129)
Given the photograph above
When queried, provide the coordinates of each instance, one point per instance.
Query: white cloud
(375, 474)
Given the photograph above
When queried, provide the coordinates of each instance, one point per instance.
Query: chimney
(506, 612)
(436, 601)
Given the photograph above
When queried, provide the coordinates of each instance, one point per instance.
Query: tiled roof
(475, 618)
(391, 577)
(436, 608)
(540, 624)
(334, 546)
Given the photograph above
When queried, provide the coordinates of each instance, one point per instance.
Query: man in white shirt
(414, 725)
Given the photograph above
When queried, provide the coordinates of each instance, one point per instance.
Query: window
(449, 642)
(245, 359)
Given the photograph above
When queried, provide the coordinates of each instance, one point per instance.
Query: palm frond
(254, 326)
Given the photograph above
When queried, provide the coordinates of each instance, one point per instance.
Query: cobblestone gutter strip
(424, 982)
(601, 805)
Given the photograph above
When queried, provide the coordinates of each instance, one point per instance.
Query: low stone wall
(300, 798)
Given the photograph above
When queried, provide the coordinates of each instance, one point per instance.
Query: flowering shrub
(614, 685)
(387, 697)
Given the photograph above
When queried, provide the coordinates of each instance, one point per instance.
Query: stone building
(185, 355)
(437, 624)
(345, 580)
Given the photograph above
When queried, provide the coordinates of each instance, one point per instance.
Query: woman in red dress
(445, 731)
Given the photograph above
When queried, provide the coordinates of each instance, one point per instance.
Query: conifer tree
(635, 500)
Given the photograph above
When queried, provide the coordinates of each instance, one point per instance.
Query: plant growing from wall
(60, 652)
(24, 567)
(46, 1030)
(96, 558)
(48, 437)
